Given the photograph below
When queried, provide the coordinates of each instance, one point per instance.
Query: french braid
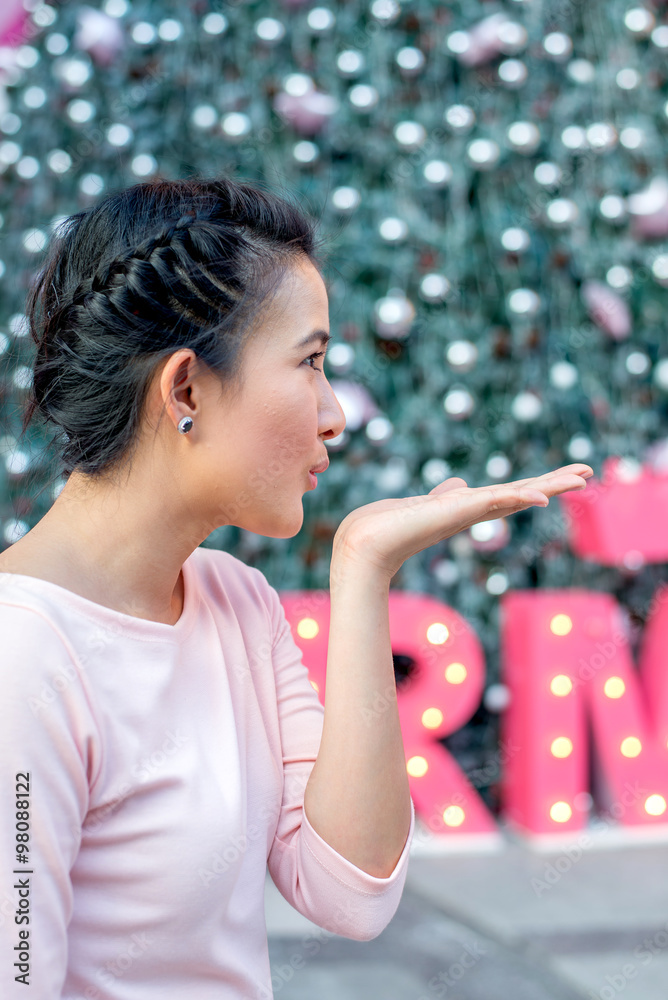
(157, 267)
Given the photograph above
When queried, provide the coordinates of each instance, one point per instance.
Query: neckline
(142, 627)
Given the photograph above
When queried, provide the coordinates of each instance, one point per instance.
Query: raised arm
(357, 796)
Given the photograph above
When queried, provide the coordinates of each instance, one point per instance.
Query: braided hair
(149, 270)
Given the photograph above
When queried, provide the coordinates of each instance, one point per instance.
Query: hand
(384, 534)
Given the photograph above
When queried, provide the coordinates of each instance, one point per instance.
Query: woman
(158, 730)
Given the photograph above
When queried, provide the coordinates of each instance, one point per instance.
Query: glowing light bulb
(314, 685)
(561, 625)
(561, 747)
(432, 718)
(631, 746)
(454, 816)
(438, 633)
(655, 805)
(561, 685)
(417, 766)
(455, 673)
(561, 812)
(614, 687)
(308, 628)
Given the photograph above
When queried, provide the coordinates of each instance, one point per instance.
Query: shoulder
(42, 636)
(25, 615)
(218, 564)
(227, 579)
(38, 663)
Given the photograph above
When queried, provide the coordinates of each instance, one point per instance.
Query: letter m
(567, 661)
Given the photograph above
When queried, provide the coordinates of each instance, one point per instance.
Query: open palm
(385, 533)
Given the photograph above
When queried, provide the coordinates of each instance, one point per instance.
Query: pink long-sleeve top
(166, 768)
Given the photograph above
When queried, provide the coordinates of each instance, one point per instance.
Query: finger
(553, 484)
(577, 469)
(536, 490)
(507, 512)
(562, 484)
(443, 514)
(530, 496)
(474, 504)
(455, 483)
(534, 499)
(560, 474)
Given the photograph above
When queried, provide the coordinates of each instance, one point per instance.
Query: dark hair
(151, 269)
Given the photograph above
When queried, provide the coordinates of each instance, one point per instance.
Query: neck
(124, 545)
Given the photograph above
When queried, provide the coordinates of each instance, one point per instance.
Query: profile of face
(246, 460)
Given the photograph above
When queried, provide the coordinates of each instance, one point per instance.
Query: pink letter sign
(566, 657)
(439, 696)
(619, 516)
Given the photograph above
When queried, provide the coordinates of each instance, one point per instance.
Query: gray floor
(507, 923)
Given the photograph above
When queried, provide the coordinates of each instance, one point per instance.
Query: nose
(332, 419)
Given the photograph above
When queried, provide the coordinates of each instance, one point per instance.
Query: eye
(312, 357)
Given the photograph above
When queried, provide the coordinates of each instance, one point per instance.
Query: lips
(321, 467)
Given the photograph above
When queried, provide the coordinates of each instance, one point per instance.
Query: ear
(175, 384)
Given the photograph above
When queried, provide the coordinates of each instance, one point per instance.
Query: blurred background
(492, 177)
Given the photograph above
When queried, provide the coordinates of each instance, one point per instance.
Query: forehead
(298, 305)
(303, 281)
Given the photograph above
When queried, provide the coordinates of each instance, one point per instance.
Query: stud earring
(185, 423)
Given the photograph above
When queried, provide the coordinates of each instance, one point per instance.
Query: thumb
(448, 484)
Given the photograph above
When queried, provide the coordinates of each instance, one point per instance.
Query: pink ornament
(99, 35)
(13, 18)
(10, 73)
(356, 402)
(657, 456)
(607, 309)
(648, 210)
(307, 113)
(490, 536)
(484, 41)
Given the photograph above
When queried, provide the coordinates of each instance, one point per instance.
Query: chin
(275, 527)
(287, 531)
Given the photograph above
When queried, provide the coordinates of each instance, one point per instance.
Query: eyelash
(319, 354)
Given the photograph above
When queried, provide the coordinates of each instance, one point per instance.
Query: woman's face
(251, 452)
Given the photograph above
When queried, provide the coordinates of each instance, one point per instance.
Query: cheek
(288, 422)
(279, 427)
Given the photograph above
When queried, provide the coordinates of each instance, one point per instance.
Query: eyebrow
(317, 335)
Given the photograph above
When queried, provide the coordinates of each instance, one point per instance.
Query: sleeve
(314, 878)
(44, 722)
